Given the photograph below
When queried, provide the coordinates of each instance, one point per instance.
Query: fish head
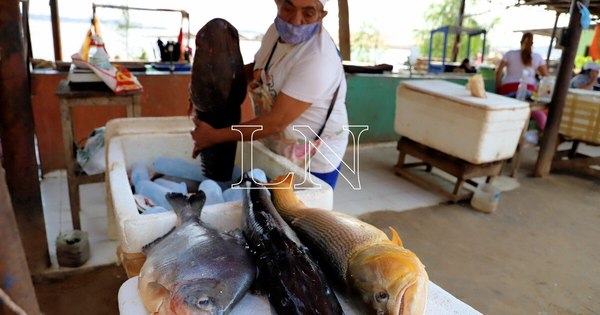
(198, 297)
(390, 278)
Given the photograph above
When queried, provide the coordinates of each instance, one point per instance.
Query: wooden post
(552, 37)
(557, 104)
(344, 29)
(17, 130)
(459, 23)
(55, 30)
(15, 279)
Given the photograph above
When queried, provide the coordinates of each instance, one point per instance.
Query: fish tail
(187, 208)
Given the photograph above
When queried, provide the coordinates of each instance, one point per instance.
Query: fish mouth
(401, 308)
(410, 301)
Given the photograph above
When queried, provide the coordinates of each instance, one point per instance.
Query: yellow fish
(390, 278)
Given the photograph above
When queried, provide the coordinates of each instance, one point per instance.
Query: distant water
(123, 45)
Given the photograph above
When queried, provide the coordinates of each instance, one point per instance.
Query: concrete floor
(537, 254)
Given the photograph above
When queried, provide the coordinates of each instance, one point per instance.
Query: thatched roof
(562, 6)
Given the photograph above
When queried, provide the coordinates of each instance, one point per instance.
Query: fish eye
(381, 297)
(203, 302)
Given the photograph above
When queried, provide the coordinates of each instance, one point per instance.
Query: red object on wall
(595, 45)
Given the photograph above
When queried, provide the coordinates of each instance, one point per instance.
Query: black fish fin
(146, 248)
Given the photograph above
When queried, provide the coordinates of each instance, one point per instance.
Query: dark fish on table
(194, 269)
(390, 278)
(292, 280)
(217, 90)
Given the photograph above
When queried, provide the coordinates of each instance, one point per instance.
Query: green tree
(445, 12)
(367, 44)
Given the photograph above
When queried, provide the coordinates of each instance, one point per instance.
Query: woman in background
(516, 62)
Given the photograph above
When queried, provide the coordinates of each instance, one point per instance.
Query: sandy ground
(537, 254)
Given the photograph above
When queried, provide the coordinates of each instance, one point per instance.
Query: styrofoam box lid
(460, 93)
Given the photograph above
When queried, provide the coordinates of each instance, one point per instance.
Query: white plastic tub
(444, 116)
(132, 140)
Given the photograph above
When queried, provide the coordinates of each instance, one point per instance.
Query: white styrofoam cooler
(439, 301)
(130, 140)
(444, 116)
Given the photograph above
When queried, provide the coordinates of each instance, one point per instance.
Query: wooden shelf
(72, 98)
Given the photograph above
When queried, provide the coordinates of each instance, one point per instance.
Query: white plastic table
(439, 302)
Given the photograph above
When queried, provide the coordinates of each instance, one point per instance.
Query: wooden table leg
(67, 133)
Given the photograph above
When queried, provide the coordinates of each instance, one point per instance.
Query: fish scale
(335, 233)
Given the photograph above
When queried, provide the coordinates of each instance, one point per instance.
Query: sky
(395, 19)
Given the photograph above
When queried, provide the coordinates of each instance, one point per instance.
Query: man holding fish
(298, 90)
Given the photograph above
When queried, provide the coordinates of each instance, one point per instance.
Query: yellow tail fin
(284, 181)
(395, 238)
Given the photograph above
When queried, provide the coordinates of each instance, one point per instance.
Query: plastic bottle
(98, 55)
(258, 175)
(233, 194)
(139, 172)
(179, 168)
(174, 186)
(546, 89)
(155, 192)
(486, 198)
(522, 89)
(213, 192)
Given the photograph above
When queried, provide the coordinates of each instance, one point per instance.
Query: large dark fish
(293, 281)
(390, 278)
(194, 269)
(217, 90)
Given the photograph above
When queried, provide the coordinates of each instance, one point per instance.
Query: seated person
(465, 66)
(587, 78)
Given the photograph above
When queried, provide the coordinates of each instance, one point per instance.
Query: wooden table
(72, 98)
(463, 171)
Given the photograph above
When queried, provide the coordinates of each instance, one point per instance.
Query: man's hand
(204, 136)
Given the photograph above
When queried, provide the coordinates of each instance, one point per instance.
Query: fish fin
(238, 235)
(283, 181)
(395, 237)
(148, 247)
(154, 297)
(197, 201)
(177, 200)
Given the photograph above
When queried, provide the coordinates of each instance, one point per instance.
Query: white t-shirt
(311, 72)
(514, 67)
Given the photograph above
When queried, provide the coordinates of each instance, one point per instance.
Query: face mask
(292, 34)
